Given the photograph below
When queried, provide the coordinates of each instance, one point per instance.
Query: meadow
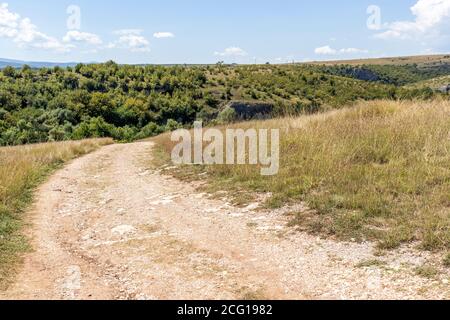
(378, 171)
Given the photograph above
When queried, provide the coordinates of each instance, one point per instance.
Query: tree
(26, 68)
(9, 72)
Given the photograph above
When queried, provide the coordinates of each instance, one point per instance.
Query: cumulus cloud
(160, 35)
(432, 19)
(132, 40)
(232, 52)
(327, 50)
(29, 36)
(9, 22)
(25, 34)
(78, 36)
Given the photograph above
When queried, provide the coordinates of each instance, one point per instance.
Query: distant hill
(420, 60)
(398, 71)
(34, 64)
(435, 83)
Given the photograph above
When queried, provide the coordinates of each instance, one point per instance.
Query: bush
(172, 125)
(123, 134)
(150, 130)
(447, 260)
(228, 115)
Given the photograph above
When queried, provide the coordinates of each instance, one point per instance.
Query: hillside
(398, 75)
(379, 171)
(435, 83)
(134, 102)
(362, 189)
(111, 225)
(391, 61)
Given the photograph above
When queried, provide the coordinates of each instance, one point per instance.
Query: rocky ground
(108, 227)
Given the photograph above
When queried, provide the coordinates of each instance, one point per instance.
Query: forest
(128, 102)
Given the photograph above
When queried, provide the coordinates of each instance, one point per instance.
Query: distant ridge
(420, 59)
(42, 64)
(33, 64)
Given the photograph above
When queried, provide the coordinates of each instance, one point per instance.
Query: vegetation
(447, 260)
(134, 102)
(427, 271)
(371, 263)
(397, 75)
(21, 169)
(423, 60)
(435, 83)
(379, 171)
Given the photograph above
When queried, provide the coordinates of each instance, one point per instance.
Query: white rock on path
(123, 230)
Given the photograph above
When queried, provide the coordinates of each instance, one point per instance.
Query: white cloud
(353, 50)
(160, 35)
(232, 52)
(29, 36)
(25, 34)
(9, 22)
(132, 40)
(327, 50)
(77, 36)
(431, 20)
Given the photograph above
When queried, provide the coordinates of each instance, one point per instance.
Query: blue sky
(207, 31)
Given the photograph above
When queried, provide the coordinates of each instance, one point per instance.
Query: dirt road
(108, 227)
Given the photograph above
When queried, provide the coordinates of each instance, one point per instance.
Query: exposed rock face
(251, 110)
(365, 75)
(445, 89)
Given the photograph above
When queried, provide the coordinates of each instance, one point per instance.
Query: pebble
(123, 230)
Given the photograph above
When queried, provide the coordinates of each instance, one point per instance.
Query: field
(21, 170)
(379, 171)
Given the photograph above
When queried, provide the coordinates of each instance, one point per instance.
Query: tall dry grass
(378, 171)
(22, 168)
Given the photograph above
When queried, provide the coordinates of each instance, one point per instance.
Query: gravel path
(107, 227)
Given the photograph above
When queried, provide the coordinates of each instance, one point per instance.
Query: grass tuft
(447, 260)
(371, 263)
(428, 272)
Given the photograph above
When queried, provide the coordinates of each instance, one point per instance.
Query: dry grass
(447, 260)
(21, 170)
(426, 271)
(379, 171)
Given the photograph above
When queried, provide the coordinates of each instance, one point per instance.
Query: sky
(233, 31)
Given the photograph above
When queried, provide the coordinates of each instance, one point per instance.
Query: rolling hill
(392, 61)
(33, 64)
